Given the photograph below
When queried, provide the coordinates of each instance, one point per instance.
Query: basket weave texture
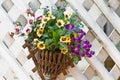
(48, 62)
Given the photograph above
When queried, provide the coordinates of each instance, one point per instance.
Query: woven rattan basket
(47, 62)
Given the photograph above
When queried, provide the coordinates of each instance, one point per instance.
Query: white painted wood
(106, 42)
(115, 37)
(21, 5)
(115, 72)
(109, 13)
(75, 72)
(13, 64)
(94, 12)
(89, 18)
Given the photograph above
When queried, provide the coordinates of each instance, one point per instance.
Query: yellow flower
(36, 41)
(67, 22)
(41, 45)
(63, 39)
(75, 35)
(42, 24)
(67, 14)
(39, 32)
(52, 17)
(68, 39)
(49, 13)
(42, 28)
(45, 19)
(64, 51)
(60, 23)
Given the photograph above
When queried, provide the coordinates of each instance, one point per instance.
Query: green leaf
(45, 35)
(49, 43)
(22, 34)
(76, 59)
(62, 45)
(55, 37)
(60, 32)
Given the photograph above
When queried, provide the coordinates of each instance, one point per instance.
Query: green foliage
(76, 59)
(55, 29)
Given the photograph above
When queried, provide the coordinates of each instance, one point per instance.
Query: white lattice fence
(101, 19)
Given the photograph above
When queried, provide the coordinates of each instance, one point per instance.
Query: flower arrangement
(57, 30)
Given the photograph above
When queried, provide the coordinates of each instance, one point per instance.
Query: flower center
(41, 46)
(40, 32)
(63, 39)
(59, 23)
(66, 16)
(45, 19)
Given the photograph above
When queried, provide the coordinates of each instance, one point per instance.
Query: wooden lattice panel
(102, 24)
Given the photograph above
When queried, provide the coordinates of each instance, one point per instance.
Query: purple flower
(87, 49)
(73, 39)
(92, 52)
(81, 35)
(86, 41)
(78, 45)
(89, 45)
(77, 51)
(82, 54)
(84, 46)
(69, 26)
(72, 51)
(71, 47)
(83, 32)
(89, 55)
(78, 40)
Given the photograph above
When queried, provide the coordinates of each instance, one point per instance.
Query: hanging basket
(47, 62)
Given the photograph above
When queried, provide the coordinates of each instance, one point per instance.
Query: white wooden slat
(115, 37)
(115, 72)
(21, 5)
(113, 3)
(5, 23)
(105, 42)
(94, 26)
(94, 12)
(109, 13)
(76, 73)
(5, 53)
(89, 72)
(1, 78)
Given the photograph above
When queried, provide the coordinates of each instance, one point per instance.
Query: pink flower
(17, 30)
(28, 30)
(39, 18)
(31, 21)
(28, 10)
(32, 14)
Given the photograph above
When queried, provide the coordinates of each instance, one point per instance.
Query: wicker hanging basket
(47, 62)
